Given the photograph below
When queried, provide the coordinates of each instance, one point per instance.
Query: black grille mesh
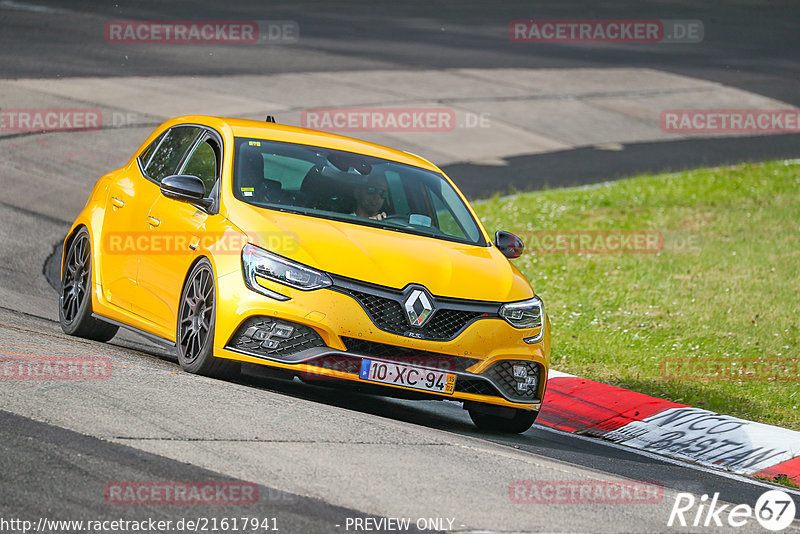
(389, 315)
(386, 313)
(301, 338)
(476, 387)
(409, 356)
(502, 373)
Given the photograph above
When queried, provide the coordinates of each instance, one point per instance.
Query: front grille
(388, 314)
(266, 336)
(385, 313)
(476, 387)
(445, 324)
(502, 374)
(409, 356)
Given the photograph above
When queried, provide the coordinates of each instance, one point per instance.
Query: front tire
(75, 300)
(196, 320)
(518, 421)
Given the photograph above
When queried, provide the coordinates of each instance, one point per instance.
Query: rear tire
(195, 329)
(519, 422)
(75, 300)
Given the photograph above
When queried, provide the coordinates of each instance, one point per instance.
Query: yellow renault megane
(324, 256)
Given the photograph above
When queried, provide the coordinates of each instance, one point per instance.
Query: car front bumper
(332, 333)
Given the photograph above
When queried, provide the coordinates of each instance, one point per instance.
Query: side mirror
(185, 188)
(510, 245)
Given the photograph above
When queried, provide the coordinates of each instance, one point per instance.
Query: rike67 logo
(774, 510)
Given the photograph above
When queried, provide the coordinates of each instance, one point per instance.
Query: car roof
(292, 134)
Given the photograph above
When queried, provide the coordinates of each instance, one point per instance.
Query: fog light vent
(518, 379)
(266, 336)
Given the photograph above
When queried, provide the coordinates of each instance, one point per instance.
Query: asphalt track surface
(63, 442)
(749, 45)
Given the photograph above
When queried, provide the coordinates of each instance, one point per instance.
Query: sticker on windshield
(255, 143)
(247, 191)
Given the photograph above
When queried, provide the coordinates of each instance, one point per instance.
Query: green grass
(725, 287)
(782, 480)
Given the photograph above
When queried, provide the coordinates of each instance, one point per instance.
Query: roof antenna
(270, 118)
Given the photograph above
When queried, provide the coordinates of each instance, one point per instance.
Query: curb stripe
(577, 405)
(790, 468)
(589, 407)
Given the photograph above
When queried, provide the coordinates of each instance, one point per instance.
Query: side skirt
(152, 337)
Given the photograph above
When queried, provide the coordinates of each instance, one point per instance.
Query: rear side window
(170, 152)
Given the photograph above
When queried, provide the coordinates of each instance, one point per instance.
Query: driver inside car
(371, 198)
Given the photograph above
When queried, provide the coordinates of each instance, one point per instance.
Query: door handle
(117, 202)
(153, 221)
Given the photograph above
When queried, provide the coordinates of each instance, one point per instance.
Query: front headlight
(525, 314)
(259, 263)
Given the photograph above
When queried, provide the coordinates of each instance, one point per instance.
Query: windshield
(350, 187)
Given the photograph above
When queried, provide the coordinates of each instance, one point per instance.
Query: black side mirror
(510, 245)
(185, 188)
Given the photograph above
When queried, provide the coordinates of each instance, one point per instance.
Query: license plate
(408, 376)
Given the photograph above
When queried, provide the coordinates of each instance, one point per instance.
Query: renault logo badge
(418, 307)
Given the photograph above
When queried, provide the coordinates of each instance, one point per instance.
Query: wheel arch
(206, 363)
(68, 242)
(198, 259)
(91, 217)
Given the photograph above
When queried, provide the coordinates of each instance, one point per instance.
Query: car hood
(385, 257)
